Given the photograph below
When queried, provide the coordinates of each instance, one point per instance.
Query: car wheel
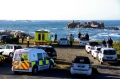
(34, 70)
(101, 62)
(11, 55)
(16, 72)
(51, 67)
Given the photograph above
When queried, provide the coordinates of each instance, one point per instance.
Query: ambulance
(42, 37)
(31, 60)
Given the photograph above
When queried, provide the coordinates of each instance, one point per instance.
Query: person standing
(22, 39)
(87, 36)
(110, 42)
(15, 37)
(104, 43)
(79, 35)
(28, 39)
(55, 38)
(71, 39)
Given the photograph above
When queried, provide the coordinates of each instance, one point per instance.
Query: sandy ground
(66, 54)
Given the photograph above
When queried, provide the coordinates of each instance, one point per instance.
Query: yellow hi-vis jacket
(28, 38)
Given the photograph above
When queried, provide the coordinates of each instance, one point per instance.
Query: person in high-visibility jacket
(28, 39)
(15, 37)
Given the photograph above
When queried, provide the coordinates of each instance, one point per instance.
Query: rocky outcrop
(12, 32)
(92, 24)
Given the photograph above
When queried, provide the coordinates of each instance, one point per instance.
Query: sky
(59, 9)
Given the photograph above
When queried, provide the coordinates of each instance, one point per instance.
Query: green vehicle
(2, 58)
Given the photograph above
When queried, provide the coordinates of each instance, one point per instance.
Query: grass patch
(116, 45)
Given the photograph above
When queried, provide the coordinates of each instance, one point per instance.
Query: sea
(59, 27)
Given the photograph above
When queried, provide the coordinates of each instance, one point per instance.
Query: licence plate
(109, 57)
(81, 66)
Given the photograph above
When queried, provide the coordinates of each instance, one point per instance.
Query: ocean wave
(109, 34)
(54, 28)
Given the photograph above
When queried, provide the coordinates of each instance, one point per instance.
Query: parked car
(3, 38)
(2, 58)
(95, 51)
(108, 55)
(83, 41)
(81, 65)
(8, 49)
(8, 39)
(48, 49)
(90, 46)
(63, 41)
(31, 60)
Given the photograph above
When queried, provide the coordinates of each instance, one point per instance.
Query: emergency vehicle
(42, 37)
(2, 58)
(31, 60)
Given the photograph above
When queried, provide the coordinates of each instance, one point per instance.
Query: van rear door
(21, 61)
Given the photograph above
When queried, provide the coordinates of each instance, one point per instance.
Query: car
(31, 60)
(95, 51)
(8, 49)
(48, 49)
(108, 55)
(63, 41)
(83, 41)
(81, 65)
(2, 58)
(90, 46)
(3, 38)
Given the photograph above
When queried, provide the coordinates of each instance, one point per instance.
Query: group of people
(108, 43)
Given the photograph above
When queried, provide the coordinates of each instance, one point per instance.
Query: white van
(31, 60)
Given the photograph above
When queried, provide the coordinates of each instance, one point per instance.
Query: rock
(92, 24)
(12, 32)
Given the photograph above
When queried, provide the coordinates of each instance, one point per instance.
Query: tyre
(11, 55)
(34, 70)
(51, 67)
(16, 72)
(101, 62)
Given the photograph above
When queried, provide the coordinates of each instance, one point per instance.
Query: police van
(42, 37)
(31, 60)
